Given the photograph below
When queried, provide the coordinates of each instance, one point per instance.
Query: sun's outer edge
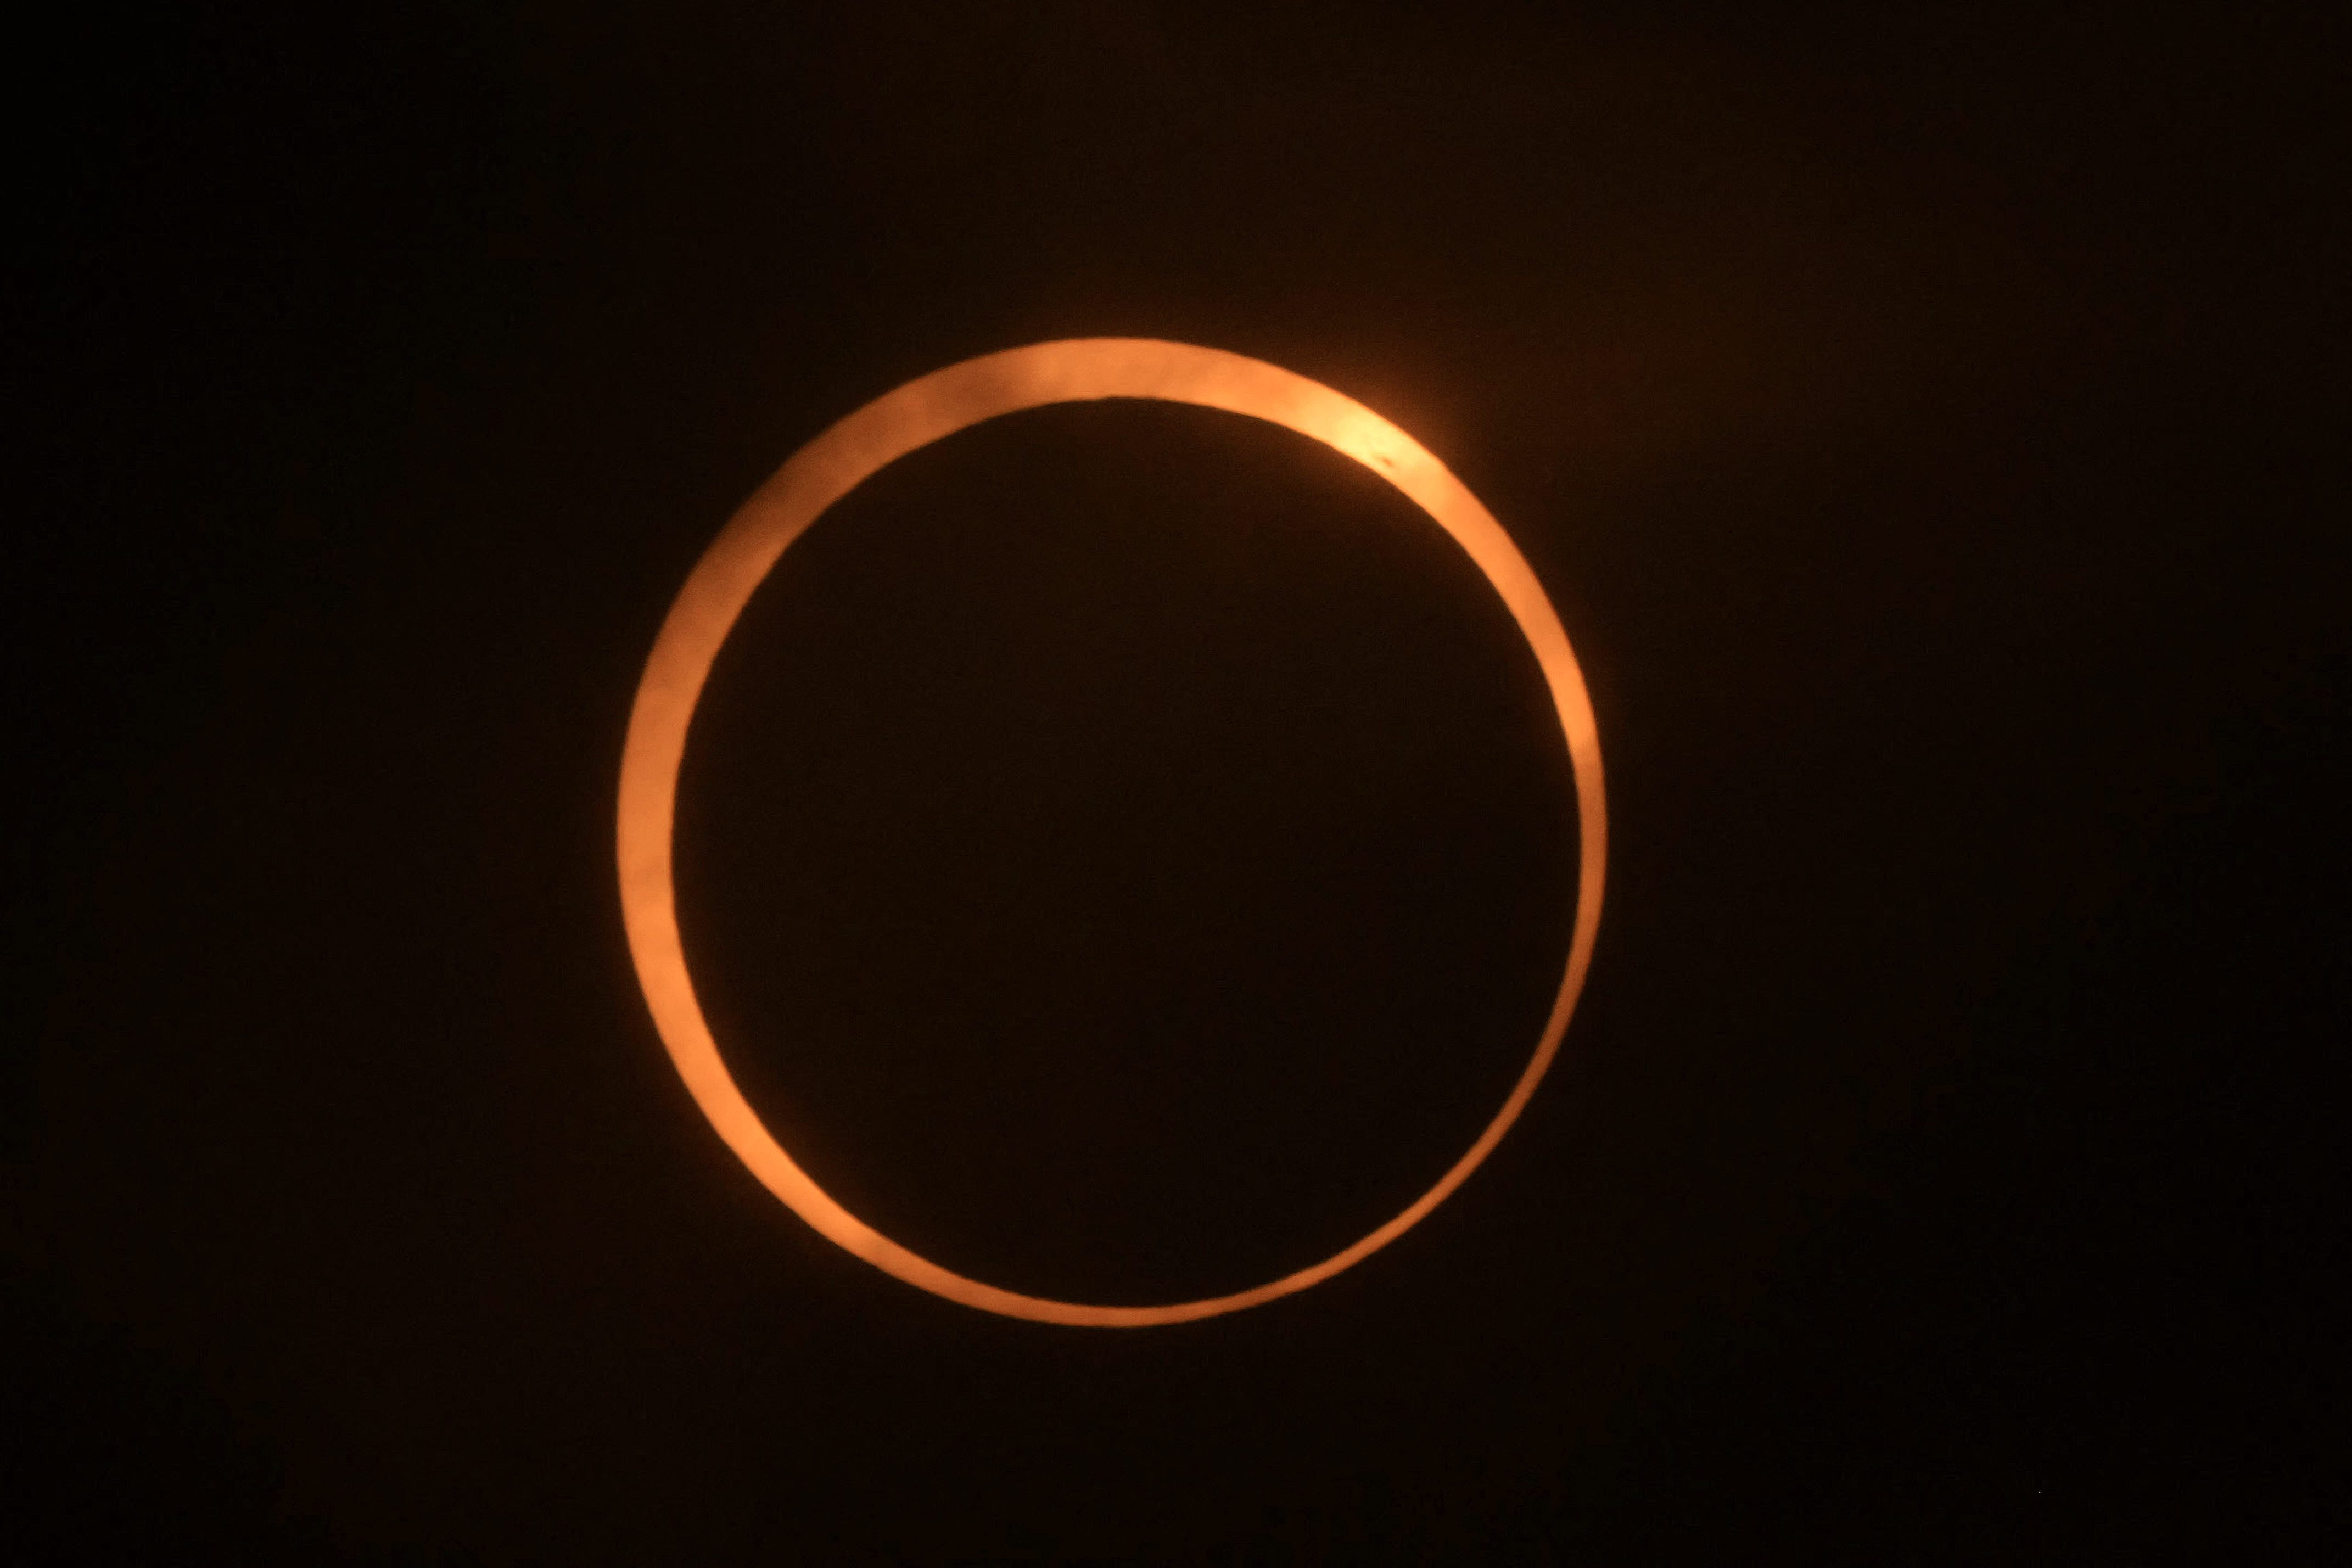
(923, 411)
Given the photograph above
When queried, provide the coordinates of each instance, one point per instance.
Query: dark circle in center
(1125, 852)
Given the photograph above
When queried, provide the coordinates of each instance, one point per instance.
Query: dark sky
(1125, 845)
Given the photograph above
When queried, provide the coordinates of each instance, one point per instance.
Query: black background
(1924, 419)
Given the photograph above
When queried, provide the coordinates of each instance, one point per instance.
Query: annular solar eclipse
(836, 462)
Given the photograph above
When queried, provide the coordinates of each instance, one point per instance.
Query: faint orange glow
(835, 463)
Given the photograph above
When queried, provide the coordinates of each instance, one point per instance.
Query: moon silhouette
(916, 414)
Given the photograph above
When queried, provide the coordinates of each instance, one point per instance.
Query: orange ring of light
(835, 463)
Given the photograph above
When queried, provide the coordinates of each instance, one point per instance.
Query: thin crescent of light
(836, 462)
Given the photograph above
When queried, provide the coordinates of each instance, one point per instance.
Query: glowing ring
(837, 462)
